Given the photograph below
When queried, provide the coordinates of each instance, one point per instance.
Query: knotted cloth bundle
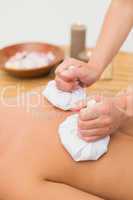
(79, 149)
(60, 99)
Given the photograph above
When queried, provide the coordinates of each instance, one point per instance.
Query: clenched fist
(73, 73)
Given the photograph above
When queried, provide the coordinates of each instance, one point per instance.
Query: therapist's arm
(117, 24)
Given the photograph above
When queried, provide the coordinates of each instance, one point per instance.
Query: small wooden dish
(7, 52)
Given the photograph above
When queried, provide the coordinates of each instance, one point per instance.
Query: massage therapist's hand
(104, 119)
(71, 73)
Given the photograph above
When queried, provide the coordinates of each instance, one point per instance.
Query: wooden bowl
(7, 52)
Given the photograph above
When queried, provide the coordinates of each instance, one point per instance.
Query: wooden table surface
(122, 77)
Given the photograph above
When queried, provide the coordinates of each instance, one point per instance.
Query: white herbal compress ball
(79, 149)
(60, 99)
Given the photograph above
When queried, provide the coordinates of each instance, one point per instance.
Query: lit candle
(78, 39)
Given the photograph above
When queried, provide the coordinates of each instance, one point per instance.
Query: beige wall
(50, 20)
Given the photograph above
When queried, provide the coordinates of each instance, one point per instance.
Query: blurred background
(50, 20)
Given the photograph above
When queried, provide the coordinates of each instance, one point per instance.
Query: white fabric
(60, 99)
(79, 149)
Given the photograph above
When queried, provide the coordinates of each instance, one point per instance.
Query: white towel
(60, 99)
(79, 149)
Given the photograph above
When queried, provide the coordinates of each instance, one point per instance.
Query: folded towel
(79, 149)
(60, 99)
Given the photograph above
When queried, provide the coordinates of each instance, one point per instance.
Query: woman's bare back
(31, 153)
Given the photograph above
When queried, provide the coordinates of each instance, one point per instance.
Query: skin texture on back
(34, 164)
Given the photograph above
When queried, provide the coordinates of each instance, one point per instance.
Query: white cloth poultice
(79, 149)
(60, 99)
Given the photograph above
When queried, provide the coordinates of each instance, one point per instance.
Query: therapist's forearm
(117, 24)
